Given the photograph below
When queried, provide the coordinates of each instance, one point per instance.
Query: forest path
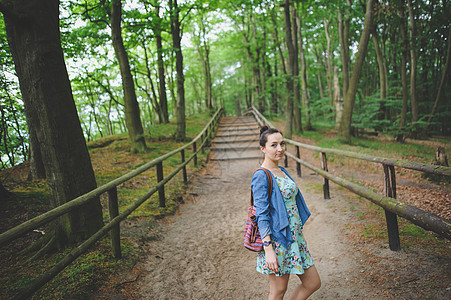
(201, 254)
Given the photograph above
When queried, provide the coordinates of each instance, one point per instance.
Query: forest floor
(198, 253)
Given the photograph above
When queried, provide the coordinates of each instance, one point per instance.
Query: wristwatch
(266, 243)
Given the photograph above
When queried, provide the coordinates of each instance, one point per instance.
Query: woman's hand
(271, 259)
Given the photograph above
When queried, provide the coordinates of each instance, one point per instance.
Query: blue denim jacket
(272, 217)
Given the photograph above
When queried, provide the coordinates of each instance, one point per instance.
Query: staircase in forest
(236, 139)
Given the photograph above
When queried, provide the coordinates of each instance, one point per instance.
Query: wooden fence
(198, 144)
(388, 202)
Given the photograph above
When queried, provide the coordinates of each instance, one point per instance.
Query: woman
(280, 224)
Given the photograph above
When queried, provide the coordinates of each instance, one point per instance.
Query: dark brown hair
(264, 132)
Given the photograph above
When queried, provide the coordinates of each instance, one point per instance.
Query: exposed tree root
(36, 245)
(44, 250)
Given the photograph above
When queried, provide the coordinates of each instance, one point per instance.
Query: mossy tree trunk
(34, 39)
(132, 114)
(180, 131)
(344, 130)
(288, 131)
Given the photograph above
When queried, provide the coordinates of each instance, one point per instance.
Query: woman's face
(275, 147)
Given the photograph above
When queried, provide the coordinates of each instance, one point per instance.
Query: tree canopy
(195, 55)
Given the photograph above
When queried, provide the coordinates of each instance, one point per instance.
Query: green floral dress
(296, 258)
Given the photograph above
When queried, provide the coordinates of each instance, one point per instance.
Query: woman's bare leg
(310, 282)
(277, 286)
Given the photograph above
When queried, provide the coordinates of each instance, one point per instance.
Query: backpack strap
(268, 175)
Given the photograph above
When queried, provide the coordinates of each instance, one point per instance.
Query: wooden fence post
(298, 165)
(286, 161)
(326, 181)
(202, 143)
(161, 189)
(391, 218)
(195, 155)
(185, 178)
(113, 209)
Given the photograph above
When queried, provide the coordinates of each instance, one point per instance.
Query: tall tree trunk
(277, 41)
(203, 49)
(343, 35)
(320, 86)
(290, 68)
(206, 60)
(153, 98)
(132, 114)
(330, 67)
(180, 131)
(296, 85)
(303, 77)
(413, 63)
(161, 74)
(34, 39)
(380, 58)
(274, 102)
(344, 131)
(404, 57)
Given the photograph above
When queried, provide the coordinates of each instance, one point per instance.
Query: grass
(111, 159)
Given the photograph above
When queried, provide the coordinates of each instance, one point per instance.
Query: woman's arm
(259, 187)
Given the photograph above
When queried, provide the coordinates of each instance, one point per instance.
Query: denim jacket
(272, 217)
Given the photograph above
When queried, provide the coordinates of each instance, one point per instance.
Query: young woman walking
(280, 222)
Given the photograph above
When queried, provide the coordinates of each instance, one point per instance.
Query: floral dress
(296, 258)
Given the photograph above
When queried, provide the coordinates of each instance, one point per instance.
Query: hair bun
(263, 129)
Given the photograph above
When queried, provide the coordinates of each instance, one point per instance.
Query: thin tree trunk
(290, 68)
(349, 101)
(413, 63)
(330, 70)
(303, 77)
(320, 87)
(180, 132)
(404, 57)
(343, 34)
(161, 74)
(277, 41)
(153, 99)
(132, 114)
(296, 85)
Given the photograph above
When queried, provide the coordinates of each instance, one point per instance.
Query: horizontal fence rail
(392, 207)
(198, 144)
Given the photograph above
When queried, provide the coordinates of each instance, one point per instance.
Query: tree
(161, 74)
(405, 94)
(413, 63)
(34, 40)
(132, 113)
(303, 76)
(203, 49)
(180, 132)
(344, 130)
(290, 85)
